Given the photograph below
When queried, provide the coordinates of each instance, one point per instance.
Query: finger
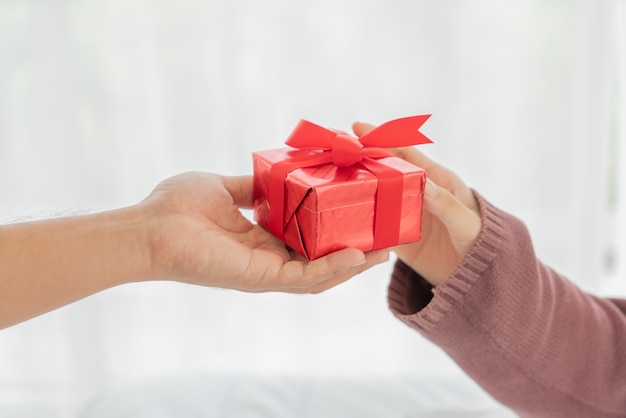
(409, 154)
(415, 157)
(439, 174)
(240, 188)
(300, 275)
(362, 128)
(324, 267)
(372, 258)
(462, 223)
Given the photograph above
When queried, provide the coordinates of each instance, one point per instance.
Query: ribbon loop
(393, 134)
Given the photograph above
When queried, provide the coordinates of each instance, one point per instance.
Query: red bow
(347, 150)
(319, 145)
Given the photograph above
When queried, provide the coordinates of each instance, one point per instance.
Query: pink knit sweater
(527, 335)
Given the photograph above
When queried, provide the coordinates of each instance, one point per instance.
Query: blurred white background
(100, 100)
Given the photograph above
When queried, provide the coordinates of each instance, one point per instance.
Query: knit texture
(527, 335)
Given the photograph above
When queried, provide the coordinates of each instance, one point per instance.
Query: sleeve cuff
(414, 301)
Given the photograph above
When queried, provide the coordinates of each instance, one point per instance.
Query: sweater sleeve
(527, 335)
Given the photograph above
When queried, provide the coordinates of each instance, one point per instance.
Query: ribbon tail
(397, 133)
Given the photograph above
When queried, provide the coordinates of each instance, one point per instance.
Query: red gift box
(332, 191)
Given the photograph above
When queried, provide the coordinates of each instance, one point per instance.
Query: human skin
(450, 219)
(190, 229)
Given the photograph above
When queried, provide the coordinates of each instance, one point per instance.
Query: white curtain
(100, 100)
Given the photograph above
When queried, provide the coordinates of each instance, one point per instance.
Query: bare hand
(450, 220)
(200, 236)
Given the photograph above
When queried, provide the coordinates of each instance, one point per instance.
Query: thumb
(462, 223)
(240, 188)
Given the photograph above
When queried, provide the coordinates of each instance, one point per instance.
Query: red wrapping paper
(337, 192)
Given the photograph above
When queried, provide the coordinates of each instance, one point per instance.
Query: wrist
(154, 237)
(131, 239)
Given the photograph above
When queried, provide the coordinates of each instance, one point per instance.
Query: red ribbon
(318, 145)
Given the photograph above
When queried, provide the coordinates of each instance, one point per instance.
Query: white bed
(276, 397)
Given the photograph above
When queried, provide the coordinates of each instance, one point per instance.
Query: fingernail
(431, 190)
(360, 262)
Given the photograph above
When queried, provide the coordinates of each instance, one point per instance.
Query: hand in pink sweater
(451, 219)
(526, 334)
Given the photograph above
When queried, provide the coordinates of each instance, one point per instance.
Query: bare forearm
(189, 229)
(51, 263)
